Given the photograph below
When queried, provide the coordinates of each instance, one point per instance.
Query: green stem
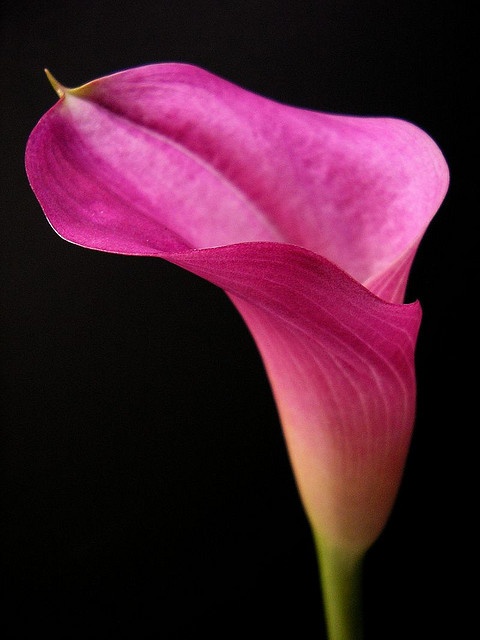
(340, 575)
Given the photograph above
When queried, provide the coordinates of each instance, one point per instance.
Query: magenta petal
(308, 221)
(169, 155)
(341, 365)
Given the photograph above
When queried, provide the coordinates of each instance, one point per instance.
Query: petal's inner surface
(159, 178)
(359, 191)
(185, 158)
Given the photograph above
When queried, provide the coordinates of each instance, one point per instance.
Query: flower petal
(169, 156)
(341, 365)
(308, 221)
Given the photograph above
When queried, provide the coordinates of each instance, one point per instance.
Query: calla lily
(309, 222)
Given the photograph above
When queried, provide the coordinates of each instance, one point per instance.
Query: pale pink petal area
(309, 222)
(168, 156)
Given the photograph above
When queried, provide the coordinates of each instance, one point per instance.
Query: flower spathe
(309, 222)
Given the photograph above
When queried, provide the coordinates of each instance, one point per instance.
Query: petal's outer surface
(341, 365)
(308, 221)
(168, 156)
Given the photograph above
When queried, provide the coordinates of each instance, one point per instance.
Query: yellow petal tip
(59, 89)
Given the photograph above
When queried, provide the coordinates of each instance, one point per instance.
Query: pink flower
(308, 221)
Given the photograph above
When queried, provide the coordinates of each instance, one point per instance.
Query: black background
(145, 487)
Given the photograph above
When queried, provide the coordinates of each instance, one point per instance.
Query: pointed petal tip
(59, 89)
